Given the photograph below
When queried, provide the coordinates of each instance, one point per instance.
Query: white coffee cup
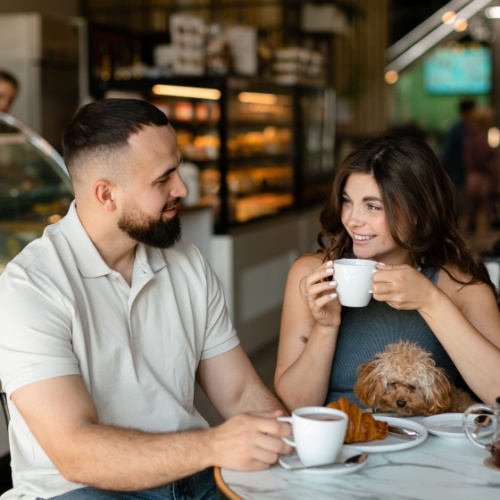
(354, 279)
(318, 433)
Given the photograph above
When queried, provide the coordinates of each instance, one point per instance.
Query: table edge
(223, 487)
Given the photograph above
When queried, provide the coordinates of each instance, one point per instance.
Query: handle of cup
(373, 272)
(288, 441)
(468, 433)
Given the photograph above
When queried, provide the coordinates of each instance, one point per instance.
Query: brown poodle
(403, 379)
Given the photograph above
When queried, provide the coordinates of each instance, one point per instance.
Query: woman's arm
(308, 334)
(465, 319)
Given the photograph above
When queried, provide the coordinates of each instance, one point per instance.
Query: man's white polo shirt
(65, 312)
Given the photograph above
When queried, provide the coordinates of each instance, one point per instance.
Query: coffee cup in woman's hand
(354, 279)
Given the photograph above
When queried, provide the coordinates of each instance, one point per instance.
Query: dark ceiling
(408, 14)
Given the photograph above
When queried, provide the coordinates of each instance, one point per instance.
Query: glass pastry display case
(34, 186)
(259, 150)
(315, 147)
(262, 148)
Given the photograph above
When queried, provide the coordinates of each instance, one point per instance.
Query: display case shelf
(35, 189)
(255, 157)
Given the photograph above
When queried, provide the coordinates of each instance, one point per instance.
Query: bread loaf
(362, 427)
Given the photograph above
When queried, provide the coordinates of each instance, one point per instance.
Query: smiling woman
(390, 202)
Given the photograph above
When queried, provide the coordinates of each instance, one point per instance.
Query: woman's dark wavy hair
(417, 195)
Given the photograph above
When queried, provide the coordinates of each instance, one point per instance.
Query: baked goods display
(362, 427)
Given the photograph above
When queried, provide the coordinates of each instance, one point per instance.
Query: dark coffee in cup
(321, 416)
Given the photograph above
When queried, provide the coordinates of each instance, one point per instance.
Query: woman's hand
(402, 287)
(319, 292)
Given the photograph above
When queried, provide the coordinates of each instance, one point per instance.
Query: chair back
(5, 406)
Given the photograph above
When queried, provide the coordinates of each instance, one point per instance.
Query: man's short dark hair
(107, 124)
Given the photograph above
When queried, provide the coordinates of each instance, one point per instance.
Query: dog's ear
(370, 384)
(437, 392)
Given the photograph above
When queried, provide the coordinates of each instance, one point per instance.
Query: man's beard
(151, 232)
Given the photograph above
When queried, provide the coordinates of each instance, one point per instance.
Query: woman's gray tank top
(366, 331)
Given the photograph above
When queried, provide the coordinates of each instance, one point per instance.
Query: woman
(8, 90)
(391, 202)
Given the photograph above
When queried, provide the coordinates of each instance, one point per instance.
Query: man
(453, 151)
(109, 319)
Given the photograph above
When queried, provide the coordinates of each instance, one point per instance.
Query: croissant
(362, 427)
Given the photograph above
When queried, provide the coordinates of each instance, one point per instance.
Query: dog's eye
(412, 387)
(392, 384)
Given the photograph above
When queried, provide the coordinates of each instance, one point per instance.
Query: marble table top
(437, 469)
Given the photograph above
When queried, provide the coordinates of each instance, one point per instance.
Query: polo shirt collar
(88, 259)
(150, 257)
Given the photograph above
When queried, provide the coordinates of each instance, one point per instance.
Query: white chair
(493, 268)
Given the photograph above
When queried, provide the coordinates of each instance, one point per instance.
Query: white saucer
(449, 425)
(336, 469)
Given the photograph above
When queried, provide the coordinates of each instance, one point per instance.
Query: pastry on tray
(362, 427)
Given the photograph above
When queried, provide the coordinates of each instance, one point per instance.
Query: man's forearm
(120, 459)
(256, 397)
(125, 459)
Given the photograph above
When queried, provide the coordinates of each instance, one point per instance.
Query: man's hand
(249, 441)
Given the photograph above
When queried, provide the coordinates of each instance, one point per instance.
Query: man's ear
(105, 195)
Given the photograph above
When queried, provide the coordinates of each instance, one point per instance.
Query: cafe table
(438, 468)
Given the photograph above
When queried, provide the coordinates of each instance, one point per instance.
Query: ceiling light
(494, 137)
(492, 13)
(391, 77)
(257, 98)
(460, 25)
(449, 17)
(194, 92)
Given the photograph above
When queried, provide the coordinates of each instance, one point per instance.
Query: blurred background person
(481, 172)
(453, 151)
(9, 87)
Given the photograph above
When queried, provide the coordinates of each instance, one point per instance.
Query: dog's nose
(401, 403)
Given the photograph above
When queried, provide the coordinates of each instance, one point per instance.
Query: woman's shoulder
(308, 261)
(304, 265)
(452, 279)
(476, 301)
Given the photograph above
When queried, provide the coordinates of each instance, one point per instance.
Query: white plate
(393, 443)
(293, 460)
(450, 425)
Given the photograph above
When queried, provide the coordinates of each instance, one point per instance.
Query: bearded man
(111, 319)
